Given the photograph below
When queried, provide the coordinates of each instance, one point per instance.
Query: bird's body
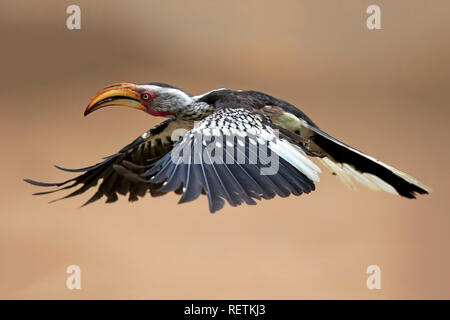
(238, 146)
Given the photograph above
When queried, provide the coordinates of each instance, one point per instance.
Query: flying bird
(219, 144)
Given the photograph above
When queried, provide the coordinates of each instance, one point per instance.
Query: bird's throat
(157, 113)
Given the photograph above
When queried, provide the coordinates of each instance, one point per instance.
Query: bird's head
(157, 99)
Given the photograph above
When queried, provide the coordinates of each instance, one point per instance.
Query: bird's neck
(195, 110)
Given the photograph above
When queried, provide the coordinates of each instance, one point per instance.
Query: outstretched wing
(121, 172)
(234, 155)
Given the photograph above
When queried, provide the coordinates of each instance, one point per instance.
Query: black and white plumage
(233, 146)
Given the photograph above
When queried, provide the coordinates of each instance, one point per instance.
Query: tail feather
(350, 164)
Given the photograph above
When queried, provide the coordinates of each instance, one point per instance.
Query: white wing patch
(297, 158)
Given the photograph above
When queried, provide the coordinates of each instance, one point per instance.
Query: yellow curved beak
(118, 94)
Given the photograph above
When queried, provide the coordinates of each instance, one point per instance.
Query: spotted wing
(234, 155)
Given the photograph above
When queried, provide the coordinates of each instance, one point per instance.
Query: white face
(166, 99)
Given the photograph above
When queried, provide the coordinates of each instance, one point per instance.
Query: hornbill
(219, 137)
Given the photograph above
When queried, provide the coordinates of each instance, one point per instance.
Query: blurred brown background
(385, 92)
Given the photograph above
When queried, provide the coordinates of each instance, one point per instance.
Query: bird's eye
(146, 97)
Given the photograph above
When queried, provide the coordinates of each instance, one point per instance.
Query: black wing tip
(39, 183)
(412, 192)
(423, 191)
(71, 170)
